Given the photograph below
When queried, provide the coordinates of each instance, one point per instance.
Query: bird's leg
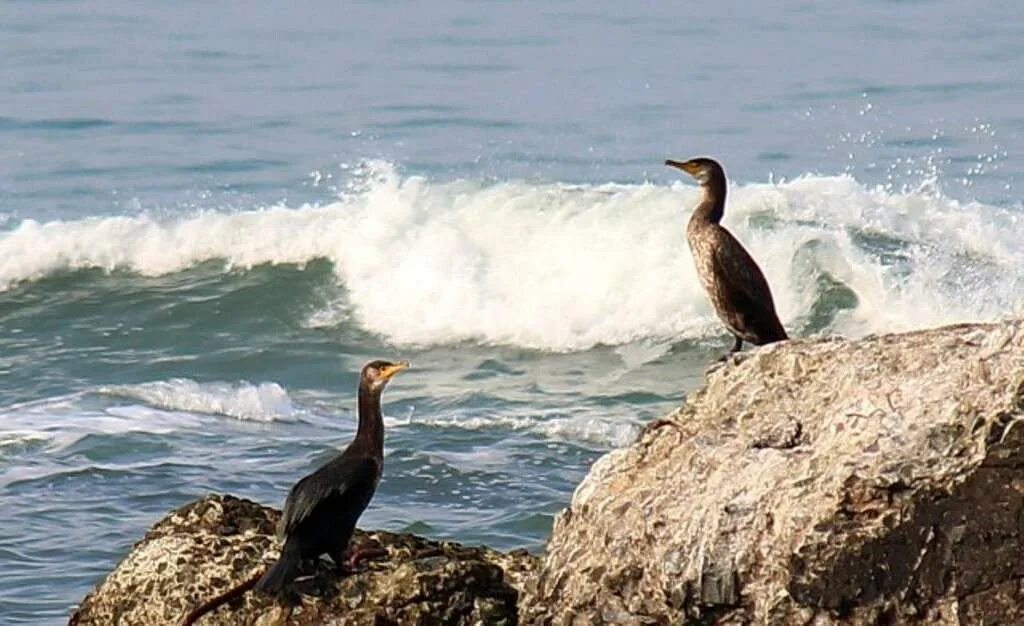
(347, 565)
(360, 554)
(306, 572)
(340, 564)
(736, 347)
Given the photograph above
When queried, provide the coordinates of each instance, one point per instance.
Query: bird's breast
(703, 250)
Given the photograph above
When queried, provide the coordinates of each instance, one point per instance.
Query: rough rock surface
(878, 481)
(210, 545)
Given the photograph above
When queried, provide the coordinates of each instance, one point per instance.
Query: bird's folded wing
(745, 284)
(330, 481)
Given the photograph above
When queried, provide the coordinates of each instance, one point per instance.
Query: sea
(212, 214)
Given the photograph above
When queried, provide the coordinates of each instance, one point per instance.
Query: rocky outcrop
(878, 481)
(210, 545)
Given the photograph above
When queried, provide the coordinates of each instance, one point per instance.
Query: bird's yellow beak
(391, 370)
(686, 166)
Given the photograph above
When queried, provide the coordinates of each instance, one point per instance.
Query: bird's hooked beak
(686, 166)
(389, 371)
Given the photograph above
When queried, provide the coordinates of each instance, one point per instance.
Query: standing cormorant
(321, 510)
(732, 279)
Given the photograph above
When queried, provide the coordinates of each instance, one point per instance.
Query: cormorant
(732, 279)
(321, 510)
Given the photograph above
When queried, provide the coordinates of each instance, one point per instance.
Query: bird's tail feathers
(211, 604)
(282, 572)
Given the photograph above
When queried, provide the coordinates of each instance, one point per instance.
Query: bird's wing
(745, 286)
(335, 479)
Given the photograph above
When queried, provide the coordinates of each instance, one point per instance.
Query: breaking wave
(567, 267)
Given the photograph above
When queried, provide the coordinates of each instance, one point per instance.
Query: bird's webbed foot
(340, 562)
(733, 352)
(347, 563)
(736, 347)
(363, 554)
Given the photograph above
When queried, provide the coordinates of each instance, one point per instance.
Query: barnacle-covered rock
(214, 543)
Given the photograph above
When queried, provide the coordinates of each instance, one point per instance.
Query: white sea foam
(160, 407)
(581, 428)
(263, 402)
(20, 438)
(58, 422)
(562, 267)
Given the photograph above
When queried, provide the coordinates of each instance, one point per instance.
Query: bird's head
(705, 170)
(376, 374)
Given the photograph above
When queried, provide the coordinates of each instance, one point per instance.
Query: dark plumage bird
(322, 509)
(732, 279)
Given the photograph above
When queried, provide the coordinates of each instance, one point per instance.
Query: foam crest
(263, 402)
(566, 267)
(59, 422)
(584, 428)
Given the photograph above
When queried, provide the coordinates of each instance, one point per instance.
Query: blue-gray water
(212, 214)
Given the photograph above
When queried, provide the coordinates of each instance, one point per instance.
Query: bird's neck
(712, 202)
(371, 424)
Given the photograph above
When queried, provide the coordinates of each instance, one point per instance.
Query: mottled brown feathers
(734, 283)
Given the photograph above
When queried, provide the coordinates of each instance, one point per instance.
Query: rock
(878, 481)
(212, 544)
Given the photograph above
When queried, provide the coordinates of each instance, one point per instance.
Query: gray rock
(210, 545)
(878, 481)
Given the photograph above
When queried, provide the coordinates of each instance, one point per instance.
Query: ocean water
(212, 214)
